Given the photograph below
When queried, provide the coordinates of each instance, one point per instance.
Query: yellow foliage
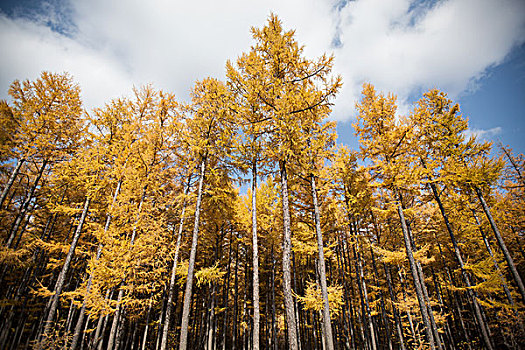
(313, 300)
(209, 275)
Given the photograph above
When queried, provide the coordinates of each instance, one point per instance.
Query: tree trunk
(191, 265)
(415, 276)
(287, 277)
(11, 180)
(62, 276)
(477, 310)
(495, 261)
(171, 288)
(399, 325)
(226, 294)
(502, 245)
(367, 312)
(256, 311)
(115, 326)
(274, 331)
(78, 327)
(146, 328)
(25, 206)
(329, 340)
(235, 298)
(116, 319)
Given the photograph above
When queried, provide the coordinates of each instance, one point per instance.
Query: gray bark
(287, 276)
(502, 245)
(183, 343)
(415, 276)
(62, 276)
(256, 311)
(327, 326)
(11, 180)
(477, 309)
(171, 288)
(80, 321)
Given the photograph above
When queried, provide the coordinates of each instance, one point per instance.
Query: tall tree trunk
(477, 309)
(25, 206)
(274, 330)
(226, 294)
(80, 321)
(382, 298)
(367, 312)
(415, 276)
(146, 328)
(96, 338)
(115, 326)
(11, 180)
(62, 276)
(235, 298)
(191, 265)
(495, 262)
(287, 276)
(399, 325)
(116, 319)
(256, 311)
(329, 340)
(502, 245)
(171, 288)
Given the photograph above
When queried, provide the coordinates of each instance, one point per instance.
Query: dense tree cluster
(124, 227)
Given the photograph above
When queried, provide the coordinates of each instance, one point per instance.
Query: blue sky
(472, 49)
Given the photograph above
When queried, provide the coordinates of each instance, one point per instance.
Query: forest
(236, 220)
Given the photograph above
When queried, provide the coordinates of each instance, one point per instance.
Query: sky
(474, 50)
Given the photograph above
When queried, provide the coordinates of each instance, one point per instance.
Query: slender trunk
(399, 325)
(226, 294)
(191, 265)
(477, 309)
(78, 327)
(329, 340)
(235, 298)
(341, 266)
(171, 288)
(514, 165)
(287, 277)
(382, 298)
(502, 245)
(495, 261)
(116, 318)
(11, 180)
(96, 339)
(211, 320)
(25, 206)
(274, 331)
(256, 312)
(62, 276)
(146, 328)
(367, 312)
(115, 325)
(415, 276)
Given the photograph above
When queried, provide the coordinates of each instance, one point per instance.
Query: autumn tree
(276, 77)
(210, 137)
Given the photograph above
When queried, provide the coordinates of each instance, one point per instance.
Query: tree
(383, 141)
(210, 137)
(285, 85)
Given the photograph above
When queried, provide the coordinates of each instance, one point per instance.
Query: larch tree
(383, 139)
(286, 85)
(210, 136)
(437, 126)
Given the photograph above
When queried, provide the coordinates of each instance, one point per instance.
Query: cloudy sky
(472, 49)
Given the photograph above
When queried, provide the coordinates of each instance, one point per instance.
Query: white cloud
(397, 45)
(403, 50)
(482, 134)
